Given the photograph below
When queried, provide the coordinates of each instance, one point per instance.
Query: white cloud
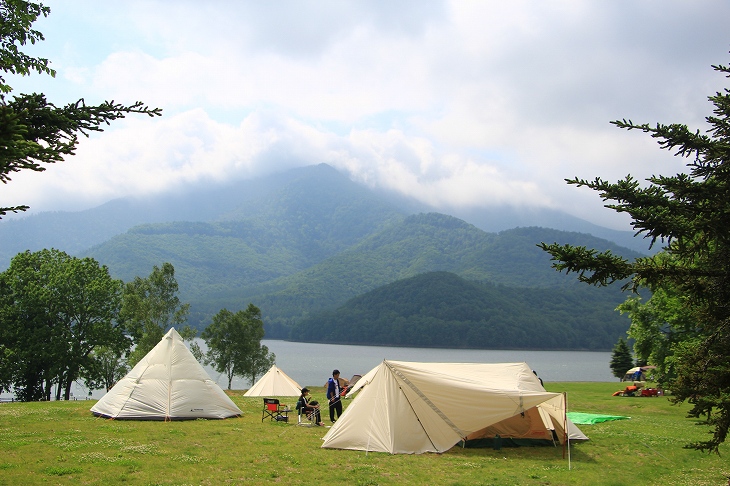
(455, 103)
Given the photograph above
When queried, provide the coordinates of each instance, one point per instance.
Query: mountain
(293, 226)
(74, 232)
(303, 243)
(495, 219)
(441, 309)
(418, 244)
(290, 276)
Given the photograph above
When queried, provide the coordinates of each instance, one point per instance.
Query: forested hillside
(420, 243)
(247, 200)
(237, 263)
(76, 231)
(293, 263)
(311, 217)
(441, 309)
(311, 240)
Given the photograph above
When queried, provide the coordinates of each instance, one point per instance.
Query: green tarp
(592, 418)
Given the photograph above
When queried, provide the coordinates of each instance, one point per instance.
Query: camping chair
(275, 410)
(306, 419)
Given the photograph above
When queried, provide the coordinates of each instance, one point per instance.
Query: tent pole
(566, 441)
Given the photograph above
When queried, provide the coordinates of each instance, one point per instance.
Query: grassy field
(62, 443)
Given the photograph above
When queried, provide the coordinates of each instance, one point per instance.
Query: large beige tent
(404, 407)
(275, 383)
(167, 384)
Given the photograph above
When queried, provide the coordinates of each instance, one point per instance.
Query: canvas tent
(167, 384)
(275, 383)
(405, 407)
(543, 424)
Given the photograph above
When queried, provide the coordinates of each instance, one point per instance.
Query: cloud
(454, 103)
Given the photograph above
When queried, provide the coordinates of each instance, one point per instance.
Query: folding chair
(306, 419)
(275, 410)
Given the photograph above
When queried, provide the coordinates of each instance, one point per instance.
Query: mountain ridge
(311, 241)
(77, 231)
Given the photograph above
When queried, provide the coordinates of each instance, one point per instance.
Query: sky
(455, 103)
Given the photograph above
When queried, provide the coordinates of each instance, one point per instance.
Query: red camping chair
(275, 410)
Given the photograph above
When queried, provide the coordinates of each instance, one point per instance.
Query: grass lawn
(63, 443)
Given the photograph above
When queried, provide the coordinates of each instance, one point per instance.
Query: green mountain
(441, 309)
(76, 231)
(307, 241)
(311, 217)
(419, 244)
(271, 262)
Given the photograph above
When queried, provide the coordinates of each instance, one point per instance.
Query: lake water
(311, 364)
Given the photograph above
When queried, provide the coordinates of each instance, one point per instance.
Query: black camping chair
(275, 410)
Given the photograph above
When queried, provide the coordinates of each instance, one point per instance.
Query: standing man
(333, 395)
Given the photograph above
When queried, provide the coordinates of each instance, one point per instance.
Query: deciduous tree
(55, 310)
(151, 307)
(106, 367)
(657, 326)
(234, 344)
(689, 214)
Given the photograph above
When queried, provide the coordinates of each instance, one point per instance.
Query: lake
(311, 364)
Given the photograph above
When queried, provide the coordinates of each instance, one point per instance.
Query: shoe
(321, 424)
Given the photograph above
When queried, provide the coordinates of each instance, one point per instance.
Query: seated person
(304, 405)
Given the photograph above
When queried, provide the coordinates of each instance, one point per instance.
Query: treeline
(441, 309)
(64, 319)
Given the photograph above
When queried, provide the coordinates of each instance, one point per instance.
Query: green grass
(62, 443)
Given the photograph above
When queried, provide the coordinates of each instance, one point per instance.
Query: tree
(6, 372)
(234, 344)
(226, 340)
(55, 310)
(690, 215)
(621, 359)
(107, 366)
(151, 307)
(657, 326)
(34, 132)
(258, 360)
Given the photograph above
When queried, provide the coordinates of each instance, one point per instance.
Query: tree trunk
(47, 390)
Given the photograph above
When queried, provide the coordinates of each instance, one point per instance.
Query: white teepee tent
(167, 384)
(275, 383)
(407, 407)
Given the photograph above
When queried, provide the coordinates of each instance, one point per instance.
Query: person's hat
(305, 390)
(335, 372)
